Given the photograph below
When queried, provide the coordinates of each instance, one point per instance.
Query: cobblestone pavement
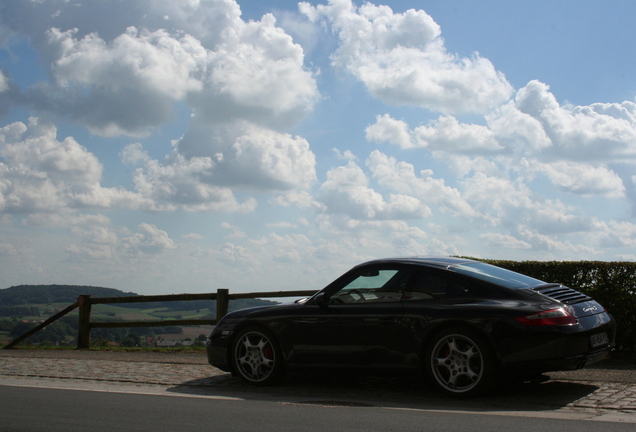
(611, 396)
(596, 389)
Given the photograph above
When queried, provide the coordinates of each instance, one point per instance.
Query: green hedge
(612, 284)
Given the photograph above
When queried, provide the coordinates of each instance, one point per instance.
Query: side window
(428, 286)
(375, 285)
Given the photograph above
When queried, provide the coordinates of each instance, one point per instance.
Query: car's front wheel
(256, 357)
(459, 362)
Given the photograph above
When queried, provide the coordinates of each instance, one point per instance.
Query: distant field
(107, 312)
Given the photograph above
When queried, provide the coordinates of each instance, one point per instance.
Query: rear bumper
(569, 363)
(569, 348)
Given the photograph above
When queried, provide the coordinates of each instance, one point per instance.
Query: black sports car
(460, 321)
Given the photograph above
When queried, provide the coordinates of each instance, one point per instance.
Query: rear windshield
(496, 275)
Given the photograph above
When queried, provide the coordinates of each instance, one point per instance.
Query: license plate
(599, 339)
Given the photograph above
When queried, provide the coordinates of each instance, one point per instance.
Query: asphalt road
(51, 410)
(88, 390)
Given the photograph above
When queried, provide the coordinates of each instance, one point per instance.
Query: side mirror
(320, 299)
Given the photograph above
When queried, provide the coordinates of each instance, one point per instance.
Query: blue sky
(185, 146)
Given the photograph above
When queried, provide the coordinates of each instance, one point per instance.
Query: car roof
(439, 262)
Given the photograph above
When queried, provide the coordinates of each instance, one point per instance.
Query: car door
(358, 321)
(434, 296)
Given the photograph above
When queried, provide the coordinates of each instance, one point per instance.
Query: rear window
(496, 275)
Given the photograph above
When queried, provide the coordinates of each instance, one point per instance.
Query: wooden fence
(85, 302)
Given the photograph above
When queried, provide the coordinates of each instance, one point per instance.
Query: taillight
(554, 317)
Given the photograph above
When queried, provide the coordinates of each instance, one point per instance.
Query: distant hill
(23, 295)
(20, 300)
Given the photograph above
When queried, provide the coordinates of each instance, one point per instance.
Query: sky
(185, 146)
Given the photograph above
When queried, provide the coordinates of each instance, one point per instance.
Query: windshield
(496, 275)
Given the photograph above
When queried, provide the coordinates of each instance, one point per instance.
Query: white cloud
(581, 179)
(97, 234)
(516, 130)
(148, 62)
(550, 243)
(40, 173)
(236, 254)
(390, 130)
(443, 134)
(134, 154)
(249, 158)
(599, 132)
(126, 86)
(498, 240)
(401, 177)
(192, 236)
(289, 248)
(346, 155)
(264, 159)
(410, 241)
(124, 76)
(244, 81)
(614, 234)
(206, 20)
(7, 250)
(571, 146)
(234, 231)
(149, 240)
(98, 240)
(510, 204)
(301, 199)
(4, 82)
(179, 183)
(256, 74)
(448, 135)
(401, 59)
(89, 252)
(346, 191)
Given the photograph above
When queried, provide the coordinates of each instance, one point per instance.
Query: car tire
(459, 362)
(256, 357)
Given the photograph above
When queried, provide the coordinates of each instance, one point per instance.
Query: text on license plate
(599, 339)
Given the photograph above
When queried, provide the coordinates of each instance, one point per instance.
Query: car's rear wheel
(459, 362)
(256, 357)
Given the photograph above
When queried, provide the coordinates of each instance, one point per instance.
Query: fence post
(222, 303)
(84, 330)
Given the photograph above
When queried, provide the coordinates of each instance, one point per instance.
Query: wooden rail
(85, 303)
